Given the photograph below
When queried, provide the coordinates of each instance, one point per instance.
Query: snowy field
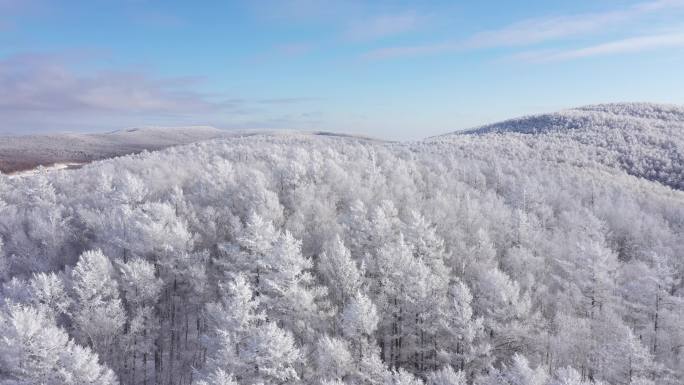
(50, 168)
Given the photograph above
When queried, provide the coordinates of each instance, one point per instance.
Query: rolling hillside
(540, 251)
(19, 153)
(645, 140)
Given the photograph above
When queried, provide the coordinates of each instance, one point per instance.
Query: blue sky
(391, 69)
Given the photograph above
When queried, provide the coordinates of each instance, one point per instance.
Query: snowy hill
(645, 140)
(55, 151)
(26, 152)
(632, 116)
(547, 255)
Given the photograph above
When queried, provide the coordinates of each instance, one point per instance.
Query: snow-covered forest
(543, 251)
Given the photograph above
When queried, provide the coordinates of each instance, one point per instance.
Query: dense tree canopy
(499, 258)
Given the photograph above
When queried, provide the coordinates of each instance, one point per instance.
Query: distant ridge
(22, 153)
(18, 153)
(642, 139)
(640, 110)
(584, 117)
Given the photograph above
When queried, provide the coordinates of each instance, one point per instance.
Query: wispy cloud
(383, 26)
(411, 50)
(629, 45)
(157, 19)
(539, 30)
(354, 20)
(15, 5)
(12, 8)
(287, 100)
(535, 31)
(303, 10)
(294, 49)
(46, 92)
(43, 83)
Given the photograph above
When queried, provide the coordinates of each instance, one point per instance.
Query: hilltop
(644, 140)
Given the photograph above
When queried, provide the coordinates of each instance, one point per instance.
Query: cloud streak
(44, 92)
(411, 50)
(623, 46)
(294, 49)
(534, 31)
(383, 26)
(12, 8)
(304, 10)
(43, 83)
(539, 30)
(285, 101)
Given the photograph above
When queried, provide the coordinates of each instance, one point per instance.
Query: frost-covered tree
(141, 290)
(517, 373)
(35, 351)
(359, 322)
(218, 377)
(333, 358)
(460, 336)
(230, 322)
(289, 292)
(446, 376)
(402, 377)
(567, 376)
(340, 272)
(271, 355)
(48, 292)
(98, 314)
(139, 282)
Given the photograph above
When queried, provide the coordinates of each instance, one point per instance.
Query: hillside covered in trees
(25, 152)
(545, 250)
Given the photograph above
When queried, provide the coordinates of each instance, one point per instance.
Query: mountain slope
(495, 254)
(645, 140)
(26, 152)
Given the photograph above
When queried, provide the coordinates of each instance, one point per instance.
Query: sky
(397, 70)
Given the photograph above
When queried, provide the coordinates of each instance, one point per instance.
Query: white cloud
(42, 92)
(11, 8)
(539, 30)
(304, 10)
(383, 26)
(629, 45)
(408, 50)
(44, 83)
(294, 49)
(536, 31)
